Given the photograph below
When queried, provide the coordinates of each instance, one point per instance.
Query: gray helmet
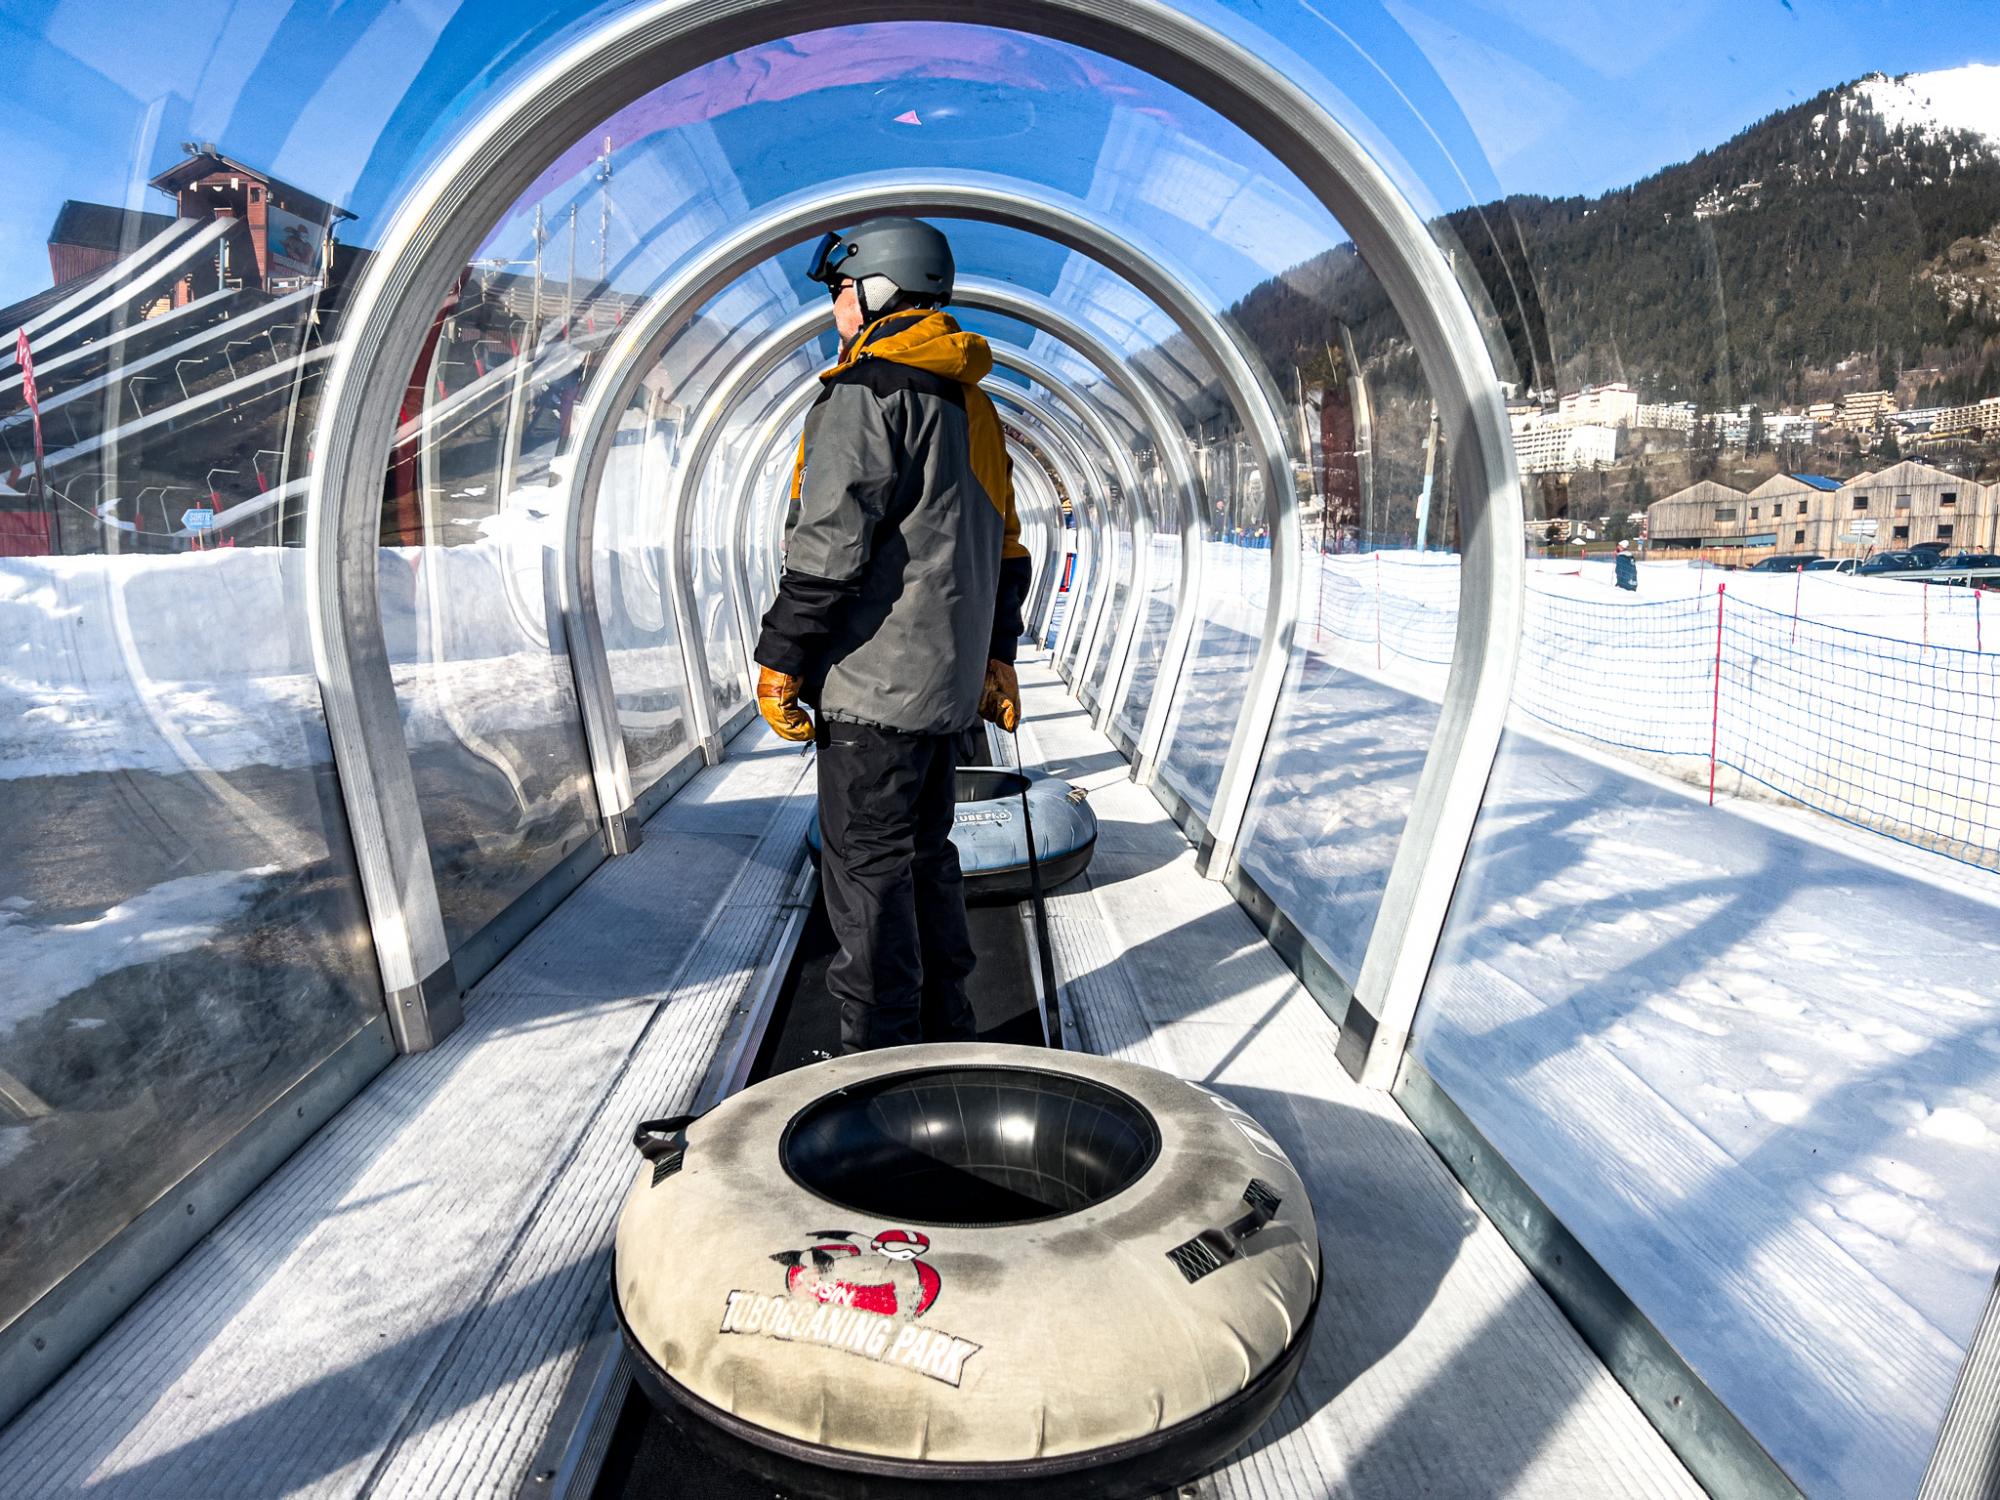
(907, 252)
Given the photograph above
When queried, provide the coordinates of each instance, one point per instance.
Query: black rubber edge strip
(1132, 1470)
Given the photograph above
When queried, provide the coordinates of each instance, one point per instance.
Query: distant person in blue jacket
(1628, 568)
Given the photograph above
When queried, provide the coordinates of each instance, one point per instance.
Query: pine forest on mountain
(1820, 251)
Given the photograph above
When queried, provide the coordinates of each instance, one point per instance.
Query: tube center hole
(973, 1145)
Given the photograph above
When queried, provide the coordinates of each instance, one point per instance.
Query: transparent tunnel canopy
(1372, 648)
(1716, 979)
(472, 524)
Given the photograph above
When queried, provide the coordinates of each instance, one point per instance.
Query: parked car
(1790, 562)
(1895, 562)
(1980, 569)
(1832, 565)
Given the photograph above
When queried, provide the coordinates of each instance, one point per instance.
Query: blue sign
(202, 519)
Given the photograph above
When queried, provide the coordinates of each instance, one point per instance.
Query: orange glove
(1000, 702)
(778, 702)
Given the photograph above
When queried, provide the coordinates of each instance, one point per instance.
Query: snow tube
(993, 844)
(967, 1270)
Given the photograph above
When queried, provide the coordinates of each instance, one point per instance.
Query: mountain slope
(1751, 272)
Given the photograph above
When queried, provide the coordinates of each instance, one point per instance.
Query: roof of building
(1703, 491)
(1818, 481)
(14, 315)
(203, 160)
(101, 226)
(1909, 471)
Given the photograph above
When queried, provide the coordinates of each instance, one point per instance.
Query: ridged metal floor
(1438, 1366)
(397, 1311)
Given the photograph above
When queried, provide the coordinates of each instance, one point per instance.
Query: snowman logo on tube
(863, 1300)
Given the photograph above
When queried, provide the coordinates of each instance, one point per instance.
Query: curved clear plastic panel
(1372, 644)
(470, 588)
(1718, 979)
(1236, 575)
(630, 570)
(1693, 1030)
(1163, 587)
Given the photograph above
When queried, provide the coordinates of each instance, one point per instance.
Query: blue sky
(344, 96)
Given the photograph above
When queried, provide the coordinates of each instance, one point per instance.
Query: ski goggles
(828, 257)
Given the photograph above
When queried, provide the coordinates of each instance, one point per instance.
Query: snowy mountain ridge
(1966, 98)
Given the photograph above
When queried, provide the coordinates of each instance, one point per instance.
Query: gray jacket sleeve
(850, 479)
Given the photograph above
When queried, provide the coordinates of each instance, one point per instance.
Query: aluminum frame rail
(710, 269)
(1169, 438)
(750, 371)
(498, 157)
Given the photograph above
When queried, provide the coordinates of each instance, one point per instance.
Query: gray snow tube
(992, 843)
(967, 1270)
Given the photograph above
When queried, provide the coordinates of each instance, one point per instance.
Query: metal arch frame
(963, 195)
(778, 421)
(1047, 513)
(1043, 315)
(752, 369)
(1050, 499)
(1094, 534)
(1063, 451)
(698, 439)
(1169, 439)
(1116, 641)
(488, 167)
(1033, 482)
(1049, 435)
(1110, 499)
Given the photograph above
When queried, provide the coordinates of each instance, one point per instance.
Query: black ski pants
(894, 895)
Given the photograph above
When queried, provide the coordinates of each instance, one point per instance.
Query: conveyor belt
(649, 1458)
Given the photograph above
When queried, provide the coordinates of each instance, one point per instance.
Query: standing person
(896, 618)
(1627, 568)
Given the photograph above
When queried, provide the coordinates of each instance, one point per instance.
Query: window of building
(1902, 533)
(1802, 507)
(1902, 502)
(1861, 502)
(1944, 531)
(1798, 536)
(1725, 513)
(1753, 512)
(1948, 498)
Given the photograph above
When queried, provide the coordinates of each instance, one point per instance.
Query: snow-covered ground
(1965, 98)
(1750, 1055)
(200, 662)
(1869, 701)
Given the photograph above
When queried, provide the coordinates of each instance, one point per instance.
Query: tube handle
(664, 1143)
(655, 1138)
(1214, 1248)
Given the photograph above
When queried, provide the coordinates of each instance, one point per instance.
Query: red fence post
(1378, 611)
(1715, 701)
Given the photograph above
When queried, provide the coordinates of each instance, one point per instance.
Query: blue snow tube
(992, 843)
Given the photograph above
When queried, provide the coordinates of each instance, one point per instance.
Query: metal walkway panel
(395, 1310)
(1438, 1365)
